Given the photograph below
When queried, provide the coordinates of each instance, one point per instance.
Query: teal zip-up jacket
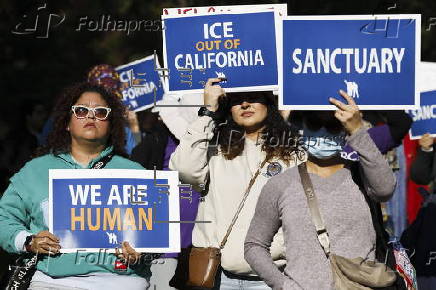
(24, 211)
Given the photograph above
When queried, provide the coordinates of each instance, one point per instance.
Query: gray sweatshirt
(346, 214)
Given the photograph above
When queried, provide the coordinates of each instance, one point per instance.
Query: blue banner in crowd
(372, 58)
(238, 47)
(142, 84)
(94, 209)
(424, 118)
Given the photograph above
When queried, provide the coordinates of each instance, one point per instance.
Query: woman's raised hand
(348, 114)
(212, 93)
(426, 141)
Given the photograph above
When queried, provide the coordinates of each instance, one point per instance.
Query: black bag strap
(102, 162)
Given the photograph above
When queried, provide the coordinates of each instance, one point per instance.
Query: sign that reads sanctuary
(372, 58)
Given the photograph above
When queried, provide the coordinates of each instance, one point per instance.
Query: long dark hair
(59, 140)
(277, 137)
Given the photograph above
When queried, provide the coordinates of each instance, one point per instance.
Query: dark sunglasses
(81, 112)
(238, 100)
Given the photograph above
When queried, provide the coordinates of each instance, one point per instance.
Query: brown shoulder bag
(204, 262)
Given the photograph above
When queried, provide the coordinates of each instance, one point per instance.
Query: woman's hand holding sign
(212, 93)
(45, 242)
(348, 114)
(128, 255)
(426, 142)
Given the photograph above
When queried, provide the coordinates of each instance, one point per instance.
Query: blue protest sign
(424, 118)
(142, 84)
(239, 47)
(372, 58)
(95, 209)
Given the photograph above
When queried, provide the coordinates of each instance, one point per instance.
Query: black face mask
(238, 100)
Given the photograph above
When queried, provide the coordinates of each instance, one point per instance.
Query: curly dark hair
(277, 137)
(59, 139)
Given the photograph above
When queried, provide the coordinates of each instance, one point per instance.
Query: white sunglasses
(81, 112)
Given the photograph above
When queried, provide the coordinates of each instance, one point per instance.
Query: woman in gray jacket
(342, 204)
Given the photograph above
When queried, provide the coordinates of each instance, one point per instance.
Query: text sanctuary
(360, 60)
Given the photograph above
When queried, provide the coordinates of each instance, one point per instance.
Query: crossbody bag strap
(312, 202)
(103, 161)
(241, 205)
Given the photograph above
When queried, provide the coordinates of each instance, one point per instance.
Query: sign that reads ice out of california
(142, 83)
(372, 58)
(94, 209)
(240, 47)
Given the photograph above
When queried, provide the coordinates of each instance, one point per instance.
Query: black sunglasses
(238, 100)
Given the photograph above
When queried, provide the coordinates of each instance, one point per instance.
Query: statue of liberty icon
(352, 89)
(112, 238)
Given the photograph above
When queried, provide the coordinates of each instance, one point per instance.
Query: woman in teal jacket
(89, 127)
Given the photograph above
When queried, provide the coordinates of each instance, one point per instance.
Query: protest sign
(95, 209)
(282, 9)
(240, 47)
(424, 118)
(372, 58)
(427, 76)
(142, 83)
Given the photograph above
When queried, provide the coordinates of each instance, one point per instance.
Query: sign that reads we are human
(240, 47)
(94, 209)
(372, 58)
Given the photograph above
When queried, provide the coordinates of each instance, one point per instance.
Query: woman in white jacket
(221, 151)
